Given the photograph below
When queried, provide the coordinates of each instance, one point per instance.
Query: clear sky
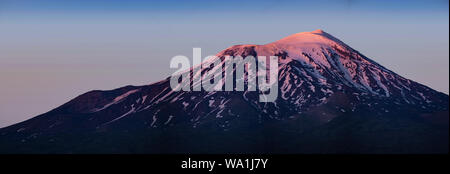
(52, 51)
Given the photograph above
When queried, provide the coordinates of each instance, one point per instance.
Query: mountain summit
(313, 37)
(332, 99)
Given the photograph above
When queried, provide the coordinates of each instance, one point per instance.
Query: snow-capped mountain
(331, 99)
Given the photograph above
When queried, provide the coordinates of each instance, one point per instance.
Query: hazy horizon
(52, 51)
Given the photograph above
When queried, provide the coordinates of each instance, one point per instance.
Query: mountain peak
(317, 31)
(316, 37)
(324, 89)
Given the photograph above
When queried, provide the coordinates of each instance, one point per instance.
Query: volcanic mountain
(331, 99)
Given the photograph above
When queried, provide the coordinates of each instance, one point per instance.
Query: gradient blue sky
(52, 50)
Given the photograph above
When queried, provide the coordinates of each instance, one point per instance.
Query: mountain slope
(331, 99)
